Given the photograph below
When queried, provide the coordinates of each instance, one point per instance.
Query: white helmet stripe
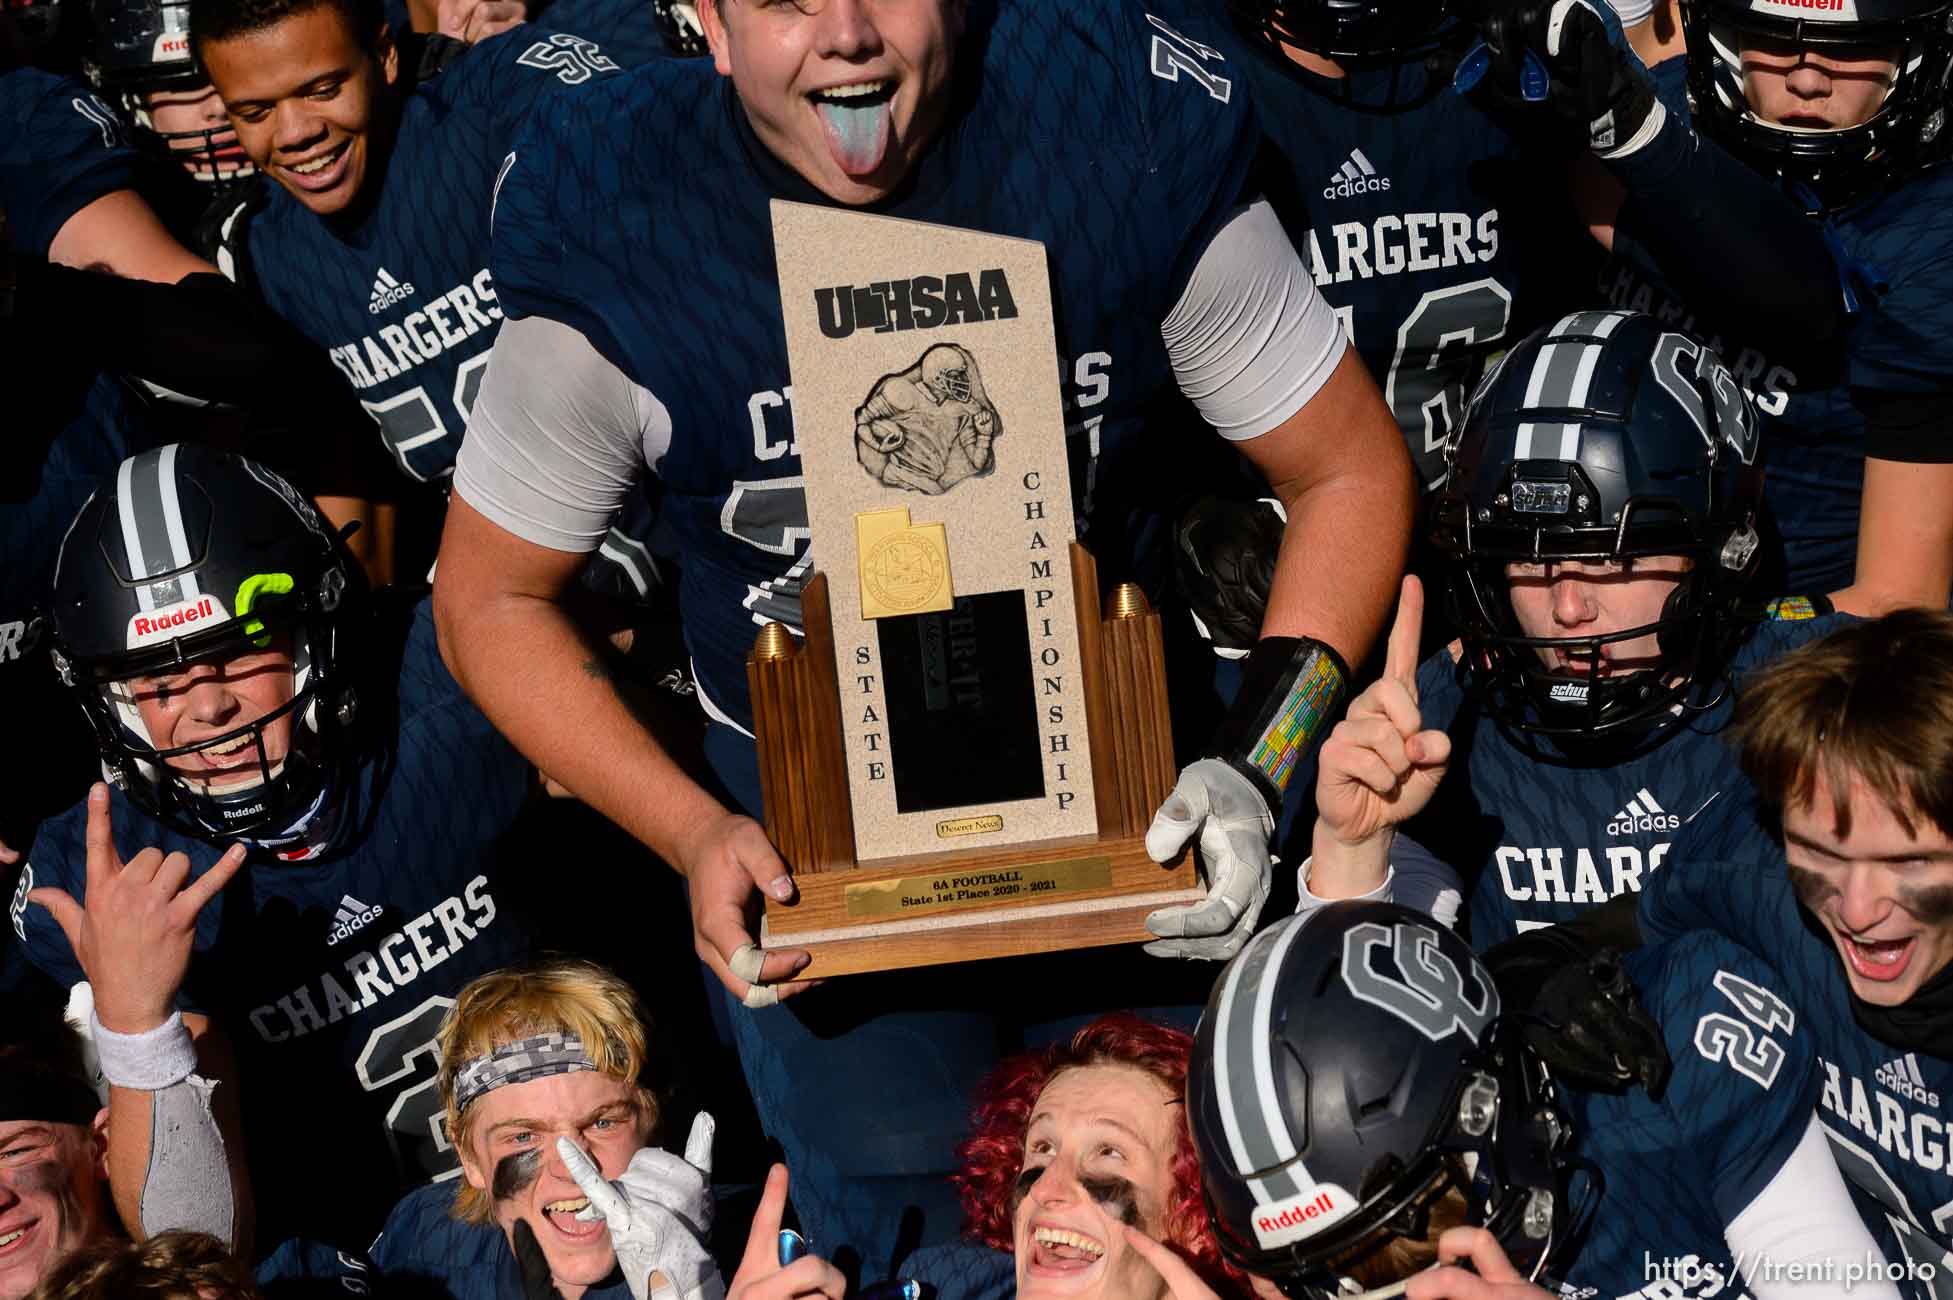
(173, 526)
(125, 504)
(1257, 1138)
(1563, 374)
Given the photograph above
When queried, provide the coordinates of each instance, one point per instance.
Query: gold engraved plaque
(957, 826)
(950, 889)
(904, 566)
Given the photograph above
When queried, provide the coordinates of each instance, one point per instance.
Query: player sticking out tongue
(858, 119)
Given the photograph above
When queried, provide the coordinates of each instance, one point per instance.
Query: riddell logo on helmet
(1298, 1217)
(1845, 9)
(174, 620)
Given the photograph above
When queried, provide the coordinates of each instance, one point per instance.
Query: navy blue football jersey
(1896, 260)
(1539, 841)
(1678, 1171)
(963, 1270)
(1900, 253)
(332, 975)
(403, 301)
(424, 1250)
(60, 150)
(597, 221)
(1406, 218)
(1883, 1108)
(623, 29)
(300, 1268)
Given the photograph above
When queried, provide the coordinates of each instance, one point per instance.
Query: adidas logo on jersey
(387, 291)
(1901, 1075)
(1356, 176)
(352, 917)
(1643, 814)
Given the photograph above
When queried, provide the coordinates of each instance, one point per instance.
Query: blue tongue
(858, 133)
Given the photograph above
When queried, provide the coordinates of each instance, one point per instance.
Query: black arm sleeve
(1755, 266)
(1913, 427)
(201, 337)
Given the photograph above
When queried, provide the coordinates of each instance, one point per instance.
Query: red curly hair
(993, 1155)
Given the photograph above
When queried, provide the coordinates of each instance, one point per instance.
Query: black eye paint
(1811, 887)
(1930, 906)
(1022, 1188)
(1115, 1196)
(515, 1172)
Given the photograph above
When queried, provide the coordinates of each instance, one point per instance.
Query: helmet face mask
(1841, 164)
(191, 559)
(139, 52)
(277, 773)
(1655, 456)
(1352, 1072)
(1346, 30)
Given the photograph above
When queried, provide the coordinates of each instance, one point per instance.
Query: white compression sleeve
(1250, 339)
(557, 437)
(1804, 1217)
(188, 1184)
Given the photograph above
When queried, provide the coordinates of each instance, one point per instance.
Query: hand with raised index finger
(1380, 766)
(134, 932)
(760, 1275)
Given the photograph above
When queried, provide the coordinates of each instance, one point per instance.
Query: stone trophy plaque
(961, 757)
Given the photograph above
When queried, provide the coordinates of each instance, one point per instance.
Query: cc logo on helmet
(1427, 990)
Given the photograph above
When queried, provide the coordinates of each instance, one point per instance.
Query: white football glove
(659, 1215)
(1234, 825)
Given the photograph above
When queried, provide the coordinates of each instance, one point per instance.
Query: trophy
(960, 757)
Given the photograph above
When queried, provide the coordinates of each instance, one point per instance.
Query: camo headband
(519, 1062)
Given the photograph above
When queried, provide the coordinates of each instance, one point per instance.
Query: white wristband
(148, 1062)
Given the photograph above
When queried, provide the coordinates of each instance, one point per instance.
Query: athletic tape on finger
(746, 961)
(761, 995)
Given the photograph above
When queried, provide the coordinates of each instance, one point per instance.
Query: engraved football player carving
(929, 427)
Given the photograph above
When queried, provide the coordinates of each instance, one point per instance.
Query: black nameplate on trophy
(962, 716)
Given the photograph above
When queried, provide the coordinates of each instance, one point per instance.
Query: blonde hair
(553, 996)
(168, 1266)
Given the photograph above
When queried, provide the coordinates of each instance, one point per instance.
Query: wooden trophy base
(966, 905)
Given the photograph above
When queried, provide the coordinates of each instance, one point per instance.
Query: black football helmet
(189, 554)
(1355, 30)
(678, 22)
(136, 47)
(1605, 436)
(32, 30)
(1350, 1069)
(1841, 165)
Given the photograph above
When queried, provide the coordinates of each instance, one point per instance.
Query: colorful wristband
(1291, 689)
